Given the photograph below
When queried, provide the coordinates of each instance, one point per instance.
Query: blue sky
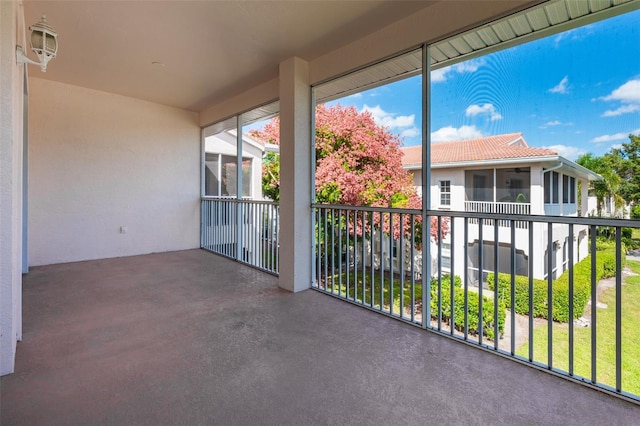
(575, 92)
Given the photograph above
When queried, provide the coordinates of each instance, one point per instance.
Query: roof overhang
(554, 162)
(569, 167)
(541, 20)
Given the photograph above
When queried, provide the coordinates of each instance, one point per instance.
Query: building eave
(546, 161)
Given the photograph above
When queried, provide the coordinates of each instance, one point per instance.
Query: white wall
(100, 161)
(458, 196)
(11, 143)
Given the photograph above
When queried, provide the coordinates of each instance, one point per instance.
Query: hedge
(488, 320)
(605, 268)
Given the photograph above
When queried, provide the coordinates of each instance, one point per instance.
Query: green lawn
(605, 338)
(383, 288)
(355, 291)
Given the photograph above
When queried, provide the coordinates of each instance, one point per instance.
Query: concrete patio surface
(190, 338)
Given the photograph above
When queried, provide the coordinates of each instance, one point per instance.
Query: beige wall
(100, 161)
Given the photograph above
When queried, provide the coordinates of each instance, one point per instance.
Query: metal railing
(244, 230)
(499, 208)
(570, 324)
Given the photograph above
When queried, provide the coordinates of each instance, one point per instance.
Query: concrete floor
(191, 338)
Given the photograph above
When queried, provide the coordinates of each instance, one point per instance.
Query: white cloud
(561, 37)
(486, 109)
(615, 136)
(566, 151)
(410, 133)
(442, 74)
(450, 133)
(468, 66)
(629, 92)
(562, 87)
(388, 119)
(555, 123)
(624, 109)
(439, 75)
(404, 124)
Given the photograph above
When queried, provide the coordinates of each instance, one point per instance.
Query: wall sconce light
(44, 43)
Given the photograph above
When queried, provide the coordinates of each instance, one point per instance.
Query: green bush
(604, 244)
(609, 244)
(605, 268)
(521, 293)
(488, 320)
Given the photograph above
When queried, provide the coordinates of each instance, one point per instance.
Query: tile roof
(499, 147)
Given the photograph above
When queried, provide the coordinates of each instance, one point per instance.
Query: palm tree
(611, 184)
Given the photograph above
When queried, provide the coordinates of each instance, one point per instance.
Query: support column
(295, 175)
(11, 146)
(584, 198)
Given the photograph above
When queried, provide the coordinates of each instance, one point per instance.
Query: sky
(574, 92)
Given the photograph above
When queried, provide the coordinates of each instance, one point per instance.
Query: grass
(605, 339)
(355, 291)
(389, 294)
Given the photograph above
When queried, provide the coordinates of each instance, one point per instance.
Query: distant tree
(627, 166)
(611, 183)
(358, 163)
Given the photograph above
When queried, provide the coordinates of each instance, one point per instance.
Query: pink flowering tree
(358, 163)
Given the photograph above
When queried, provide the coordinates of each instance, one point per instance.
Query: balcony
(553, 275)
(499, 208)
(193, 338)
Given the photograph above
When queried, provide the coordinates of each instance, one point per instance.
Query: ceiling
(189, 54)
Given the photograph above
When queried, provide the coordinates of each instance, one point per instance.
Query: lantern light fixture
(44, 43)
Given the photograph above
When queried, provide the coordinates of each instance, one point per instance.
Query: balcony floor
(192, 338)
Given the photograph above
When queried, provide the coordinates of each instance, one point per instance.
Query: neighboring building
(502, 174)
(220, 230)
(221, 162)
(609, 208)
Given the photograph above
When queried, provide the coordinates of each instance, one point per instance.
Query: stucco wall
(11, 106)
(99, 162)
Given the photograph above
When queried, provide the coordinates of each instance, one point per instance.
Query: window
(572, 186)
(547, 188)
(513, 185)
(565, 189)
(551, 188)
(479, 185)
(225, 141)
(445, 192)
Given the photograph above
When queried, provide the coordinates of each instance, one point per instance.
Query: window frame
(441, 184)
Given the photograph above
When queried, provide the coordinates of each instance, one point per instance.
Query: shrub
(521, 293)
(488, 319)
(605, 268)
